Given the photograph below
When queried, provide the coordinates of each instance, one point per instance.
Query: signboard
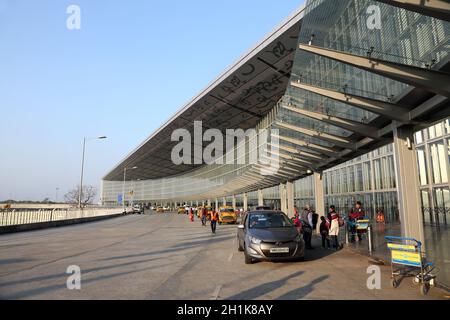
(407, 258)
(362, 224)
(404, 247)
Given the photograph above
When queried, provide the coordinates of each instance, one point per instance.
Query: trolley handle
(391, 238)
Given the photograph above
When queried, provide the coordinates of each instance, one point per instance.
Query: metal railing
(12, 217)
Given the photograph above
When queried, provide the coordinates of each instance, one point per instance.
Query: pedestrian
(297, 222)
(324, 232)
(315, 220)
(214, 219)
(355, 214)
(203, 213)
(191, 215)
(334, 227)
(307, 226)
(380, 217)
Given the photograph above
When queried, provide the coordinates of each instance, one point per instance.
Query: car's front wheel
(248, 258)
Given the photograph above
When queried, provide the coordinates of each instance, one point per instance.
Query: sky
(129, 68)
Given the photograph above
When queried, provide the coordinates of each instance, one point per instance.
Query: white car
(137, 209)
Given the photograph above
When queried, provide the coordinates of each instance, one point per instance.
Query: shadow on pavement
(318, 252)
(175, 248)
(302, 292)
(36, 291)
(264, 288)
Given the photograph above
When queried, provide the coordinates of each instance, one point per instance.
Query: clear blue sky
(130, 67)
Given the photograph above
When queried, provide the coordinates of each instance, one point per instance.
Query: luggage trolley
(407, 252)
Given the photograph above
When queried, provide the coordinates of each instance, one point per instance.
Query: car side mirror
(241, 227)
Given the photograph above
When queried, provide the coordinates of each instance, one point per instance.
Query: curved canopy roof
(239, 98)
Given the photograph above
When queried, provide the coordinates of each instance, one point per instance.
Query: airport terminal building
(347, 100)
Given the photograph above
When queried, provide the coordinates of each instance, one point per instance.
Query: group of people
(329, 225)
(203, 214)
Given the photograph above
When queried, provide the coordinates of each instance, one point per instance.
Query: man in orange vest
(214, 219)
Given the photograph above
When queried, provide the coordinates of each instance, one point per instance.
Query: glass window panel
(439, 162)
(422, 163)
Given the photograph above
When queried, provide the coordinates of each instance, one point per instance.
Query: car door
(242, 232)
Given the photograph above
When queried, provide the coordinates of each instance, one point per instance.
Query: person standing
(306, 221)
(324, 232)
(315, 220)
(203, 213)
(355, 214)
(334, 227)
(191, 215)
(214, 219)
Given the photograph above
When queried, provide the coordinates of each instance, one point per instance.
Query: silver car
(269, 235)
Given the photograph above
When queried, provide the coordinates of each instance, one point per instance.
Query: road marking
(215, 295)
(230, 257)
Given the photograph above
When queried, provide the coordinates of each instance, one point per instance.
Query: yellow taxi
(160, 210)
(227, 215)
(181, 210)
(209, 211)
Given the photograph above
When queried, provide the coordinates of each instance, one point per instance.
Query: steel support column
(290, 198)
(385, 109)
(245, 198)
(319, 195)
(438, 9)
(407, 177)
(260, 198)
(431, 80)
(283, 197)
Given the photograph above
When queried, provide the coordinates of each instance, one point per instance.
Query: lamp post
(123, 187)
(80, 196)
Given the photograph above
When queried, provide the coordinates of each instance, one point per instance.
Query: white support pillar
(217, 204)
(245, 197)
(209, 203)
(224, 201)
(260, 198)
(283, 197)
(290, 198)
(234, 202)
(407, 177)
(319, 196)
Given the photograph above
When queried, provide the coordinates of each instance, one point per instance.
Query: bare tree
(89, 194)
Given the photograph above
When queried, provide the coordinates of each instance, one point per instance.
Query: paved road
(163, 256)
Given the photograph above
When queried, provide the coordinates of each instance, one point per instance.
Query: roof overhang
(238, 98)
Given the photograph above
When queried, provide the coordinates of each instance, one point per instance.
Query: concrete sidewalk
(164, 256)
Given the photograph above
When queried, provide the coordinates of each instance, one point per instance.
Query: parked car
(227, 215)
(137, 209)
(269, 235)
(160, 210)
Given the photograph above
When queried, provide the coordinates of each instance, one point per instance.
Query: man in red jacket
(356, 214)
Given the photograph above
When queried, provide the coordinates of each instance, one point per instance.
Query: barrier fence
(12, 217)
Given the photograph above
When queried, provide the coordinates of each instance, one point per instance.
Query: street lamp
(80, 196)
(123, 187)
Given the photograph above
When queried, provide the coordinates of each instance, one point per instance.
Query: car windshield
(227, 210)
(268, 220)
